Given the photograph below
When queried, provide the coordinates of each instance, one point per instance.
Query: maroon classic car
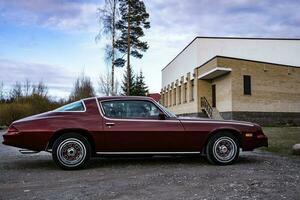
(129, 125)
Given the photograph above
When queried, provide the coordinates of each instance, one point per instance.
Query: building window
(162, 100)
(192, 91)
(170, 98)
(247, 85)
(166, 99)
(179, 95)
(185, 92)
(174, 96)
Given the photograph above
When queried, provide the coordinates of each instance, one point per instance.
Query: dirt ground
(257, 175)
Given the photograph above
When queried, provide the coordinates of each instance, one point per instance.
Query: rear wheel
(223, 149)
(71, 151)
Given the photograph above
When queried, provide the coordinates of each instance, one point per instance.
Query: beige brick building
(236, 78)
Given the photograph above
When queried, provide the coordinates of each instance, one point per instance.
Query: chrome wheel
(71, 152)
(224, 149)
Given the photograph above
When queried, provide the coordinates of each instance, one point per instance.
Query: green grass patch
(281, 139)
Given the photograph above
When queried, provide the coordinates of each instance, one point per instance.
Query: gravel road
(257, 175)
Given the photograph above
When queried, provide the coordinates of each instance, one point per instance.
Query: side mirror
(161, 116)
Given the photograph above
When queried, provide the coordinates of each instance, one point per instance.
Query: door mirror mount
(161, 116)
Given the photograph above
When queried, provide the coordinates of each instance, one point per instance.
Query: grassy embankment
(281, 139)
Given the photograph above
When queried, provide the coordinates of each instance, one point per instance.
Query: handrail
(206, 106)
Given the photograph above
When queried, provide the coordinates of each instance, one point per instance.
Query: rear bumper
(14, 140)
(29, 141)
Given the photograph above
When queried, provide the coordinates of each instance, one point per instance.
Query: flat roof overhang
(214, 73)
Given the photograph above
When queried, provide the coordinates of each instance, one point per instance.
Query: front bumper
(258, 140)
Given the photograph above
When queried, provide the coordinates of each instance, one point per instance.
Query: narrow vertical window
(170, 99)
(192, 90)
(174, 96)
(166, 99)
(185, 92)
(247, 85)
(179, 95)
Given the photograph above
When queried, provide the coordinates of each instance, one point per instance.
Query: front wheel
(71, 151)
(222, 149)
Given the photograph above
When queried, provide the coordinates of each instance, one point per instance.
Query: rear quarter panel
(35, 133)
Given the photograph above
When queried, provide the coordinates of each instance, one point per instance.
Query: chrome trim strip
(124, 153)
(26, 151)
(97, 102)
(216, 122)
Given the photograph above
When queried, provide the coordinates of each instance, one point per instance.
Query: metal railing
(206, 107)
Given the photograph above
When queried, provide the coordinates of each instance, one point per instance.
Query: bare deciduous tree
(83, 88)
(2, 94)
(16, 91)
(105, 87)
(40, 89)
(108, 16)
(27, 88)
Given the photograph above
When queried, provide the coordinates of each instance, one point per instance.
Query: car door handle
(109, 124)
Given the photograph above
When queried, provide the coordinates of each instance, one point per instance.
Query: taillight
(12, 130)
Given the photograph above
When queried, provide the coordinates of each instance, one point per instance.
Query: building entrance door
(213, 92)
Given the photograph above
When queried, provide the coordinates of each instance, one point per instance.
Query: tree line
(25, 99)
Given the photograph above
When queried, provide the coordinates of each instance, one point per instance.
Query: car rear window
(76, 106)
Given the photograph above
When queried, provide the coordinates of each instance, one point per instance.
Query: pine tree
(128, 77)
(140, 87)
(134, 18)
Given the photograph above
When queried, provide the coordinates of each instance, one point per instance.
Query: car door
(135, 126)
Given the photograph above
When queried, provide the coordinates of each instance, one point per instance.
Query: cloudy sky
(54, 40)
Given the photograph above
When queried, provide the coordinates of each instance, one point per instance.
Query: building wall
(183, 100)
(274, 88)
(223, 93)
(223, 87)
(202, 49)
(183, 64)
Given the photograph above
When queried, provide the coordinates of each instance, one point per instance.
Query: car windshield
(76, 106)
(171, 114)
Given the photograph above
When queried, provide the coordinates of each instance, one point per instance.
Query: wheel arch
(236, 133)
(82, 132)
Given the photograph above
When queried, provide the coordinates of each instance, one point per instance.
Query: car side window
(76, 106)
(130, 109)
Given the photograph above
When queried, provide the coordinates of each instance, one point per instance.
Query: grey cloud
(55, 14)
(236, 17)
(56, 78)
(202, 17)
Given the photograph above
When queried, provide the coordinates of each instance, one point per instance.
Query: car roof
(124, 98)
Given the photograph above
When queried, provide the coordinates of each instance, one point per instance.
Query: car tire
(222, 149)
(71, 151)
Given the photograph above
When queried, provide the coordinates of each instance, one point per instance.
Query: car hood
(194, 119)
